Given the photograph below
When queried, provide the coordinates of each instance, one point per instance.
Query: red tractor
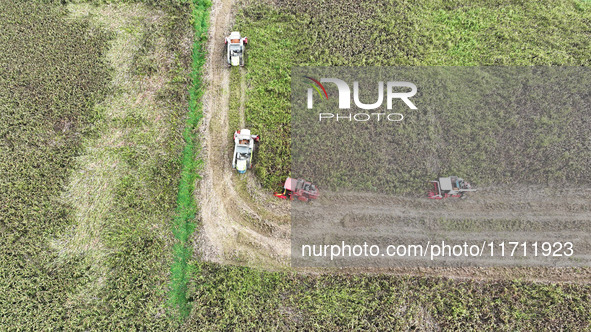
(301, 189)
(451, 186)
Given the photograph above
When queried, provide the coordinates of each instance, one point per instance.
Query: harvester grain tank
(235, 49)
(243, 150)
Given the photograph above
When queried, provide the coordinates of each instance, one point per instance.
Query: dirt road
(240, 222)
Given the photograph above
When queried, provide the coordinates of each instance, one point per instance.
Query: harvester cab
(243, 150)
(235, 49)
(298, 188)
(451, 186)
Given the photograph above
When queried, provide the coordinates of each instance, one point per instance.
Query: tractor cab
(298, 188)
(243, 150)
(235, 49)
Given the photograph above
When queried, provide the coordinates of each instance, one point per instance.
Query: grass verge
(184, 222)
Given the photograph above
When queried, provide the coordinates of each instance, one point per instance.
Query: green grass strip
(186, 211)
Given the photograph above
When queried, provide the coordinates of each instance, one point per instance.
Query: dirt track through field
(239, 222)
(243, 224)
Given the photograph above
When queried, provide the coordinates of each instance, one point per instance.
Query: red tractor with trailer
(451, 186)
(298, 188)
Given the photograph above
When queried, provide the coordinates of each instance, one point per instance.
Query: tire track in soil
(242, 97)
(529, 204)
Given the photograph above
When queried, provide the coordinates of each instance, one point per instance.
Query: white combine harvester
(243, 150)
(235, 49)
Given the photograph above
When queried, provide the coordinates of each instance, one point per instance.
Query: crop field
(417, 33)
(336, 33)
(464, 126)
(113, 172)
(227, 297)
(46, 104)
(93, 100)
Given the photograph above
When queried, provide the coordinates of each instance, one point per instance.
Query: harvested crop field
(93, 101)
(241, 226)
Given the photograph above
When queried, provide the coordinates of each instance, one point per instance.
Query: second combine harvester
(243, 150)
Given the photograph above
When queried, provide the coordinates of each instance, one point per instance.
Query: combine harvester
(451, 186)
(235, 49)
(298, 188)
(243, 150)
